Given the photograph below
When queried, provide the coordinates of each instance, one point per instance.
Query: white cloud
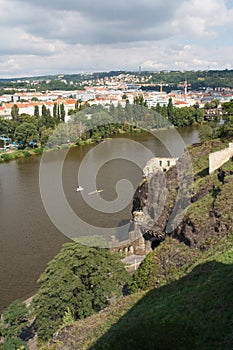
(40, 37)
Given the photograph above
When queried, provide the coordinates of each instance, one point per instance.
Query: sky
(39, 37)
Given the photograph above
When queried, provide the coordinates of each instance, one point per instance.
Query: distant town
(112, 88)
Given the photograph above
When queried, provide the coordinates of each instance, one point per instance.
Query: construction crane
(185, 85)
(161, 87)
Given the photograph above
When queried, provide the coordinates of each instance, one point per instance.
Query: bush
(26, 154)
(6, 156)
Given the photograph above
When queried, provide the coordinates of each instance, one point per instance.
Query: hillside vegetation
(182, 293)
(194, 311)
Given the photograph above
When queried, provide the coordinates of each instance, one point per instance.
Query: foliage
(26, 132)
(194, 312)
(142, 278)
(81, 279)
(228, 107)
(94, 123)
(14, 344)
(205, 133)
(213, 131)
(68, 318)
(7, 127)
(199, 80)
(15, 112)
(161, 266)
(14, 320)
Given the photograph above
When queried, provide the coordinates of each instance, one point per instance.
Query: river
(28, 238)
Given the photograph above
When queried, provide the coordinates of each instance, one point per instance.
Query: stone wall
(158, 163)
(217, 159)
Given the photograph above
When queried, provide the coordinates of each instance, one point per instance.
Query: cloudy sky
(52, 36)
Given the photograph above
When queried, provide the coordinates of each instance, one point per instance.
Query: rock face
(154, 201)
(167, 205)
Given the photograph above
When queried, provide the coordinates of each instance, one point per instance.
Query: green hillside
(192, 312)
(182, 295)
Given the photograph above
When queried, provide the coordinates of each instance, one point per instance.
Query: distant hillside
(197, 80)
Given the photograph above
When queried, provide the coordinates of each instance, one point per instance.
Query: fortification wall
(158, 163)
(217, 159)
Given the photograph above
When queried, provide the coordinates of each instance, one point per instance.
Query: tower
(185, 87)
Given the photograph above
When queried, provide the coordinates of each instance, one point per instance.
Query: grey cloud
(102, 22)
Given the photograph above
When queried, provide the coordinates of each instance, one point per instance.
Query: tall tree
(44, 111)
(170, 109)
(55, 110)
(80, 279)
(15, 112)
(62, 112)
(36, 111)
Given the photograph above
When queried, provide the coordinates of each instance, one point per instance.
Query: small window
(168, 163)
(160, 163)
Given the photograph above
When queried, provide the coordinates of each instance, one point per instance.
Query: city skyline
(40, 38)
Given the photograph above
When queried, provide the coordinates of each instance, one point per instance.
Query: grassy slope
(192, 308)
(193, 312)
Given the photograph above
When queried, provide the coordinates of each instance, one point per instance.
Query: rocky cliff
(193, 208)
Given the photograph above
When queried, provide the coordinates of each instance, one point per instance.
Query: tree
(205, 133)
(25, 132)
(62, 112)
(55, 110)
(80, 280)
(36, 111)
(7, 127)
(13, 321)
(15, 112)
(170, 109)
(228, 107)
(45, 134)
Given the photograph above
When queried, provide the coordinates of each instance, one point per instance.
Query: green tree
(36, 111)
(228, 108)
(14, 344)
(164, 111)
(44, 111)
(205, 133)
(14, 319)
(7, 127)
(55, 110)
(80, 279)
(45, 133)
(170, 109)
(158, 108)
(62, 112)
(25, 132)
(15, 112)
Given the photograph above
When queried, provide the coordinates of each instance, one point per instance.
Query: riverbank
(6, 156)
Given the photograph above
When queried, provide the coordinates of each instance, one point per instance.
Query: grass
(194, 312)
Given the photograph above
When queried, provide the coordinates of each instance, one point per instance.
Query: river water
(28, 238)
